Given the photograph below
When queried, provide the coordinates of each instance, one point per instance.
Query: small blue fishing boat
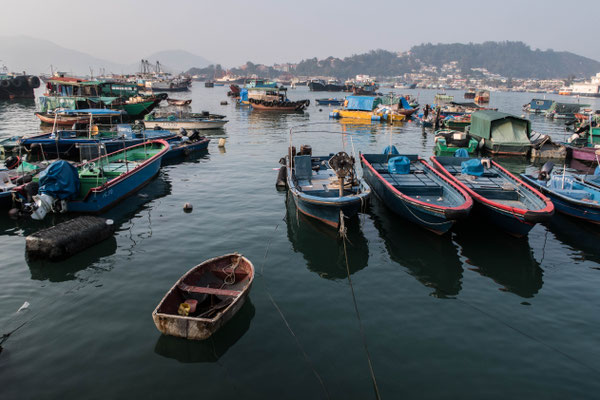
(569, 195)
(184, 145)
(330, 102)
(415, 191)
(326, 187)
(65, 143)
(98, 184)
(499, 196)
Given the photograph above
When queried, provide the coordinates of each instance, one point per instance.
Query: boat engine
(343, 165)
(43, 204)
(545, 172)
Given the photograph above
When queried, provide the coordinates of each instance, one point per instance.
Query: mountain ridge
(24, 53)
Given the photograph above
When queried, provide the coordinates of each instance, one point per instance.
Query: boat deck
(419, 184)
(492, 185)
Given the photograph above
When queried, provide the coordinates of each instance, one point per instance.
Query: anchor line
(343, 234)
(285, 321)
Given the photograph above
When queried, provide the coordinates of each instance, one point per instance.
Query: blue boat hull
(510, 223)
(573, 208)
(433, 220)
(176, 151)
(329, 211)
(102, 200)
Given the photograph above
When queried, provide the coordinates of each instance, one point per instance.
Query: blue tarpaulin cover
(405, 104)
(472, 167)
(362, 103)
(463, 153)
(390, 150)
(244, 94)
(399, 165)
(60, 180)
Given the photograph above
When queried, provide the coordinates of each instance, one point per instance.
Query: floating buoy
(320, 109)
(222, 142)
(224, 103)
(187, 207)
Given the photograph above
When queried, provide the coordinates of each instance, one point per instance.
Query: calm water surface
(473, 314)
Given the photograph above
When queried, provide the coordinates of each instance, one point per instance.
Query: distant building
(590, 88)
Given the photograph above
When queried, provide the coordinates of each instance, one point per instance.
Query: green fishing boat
(448, 141)
(75, 94)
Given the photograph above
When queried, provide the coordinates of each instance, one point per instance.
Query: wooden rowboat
(61, 120)
(205, 298)
(176, 102)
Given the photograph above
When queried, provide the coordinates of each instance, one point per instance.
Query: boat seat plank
(206, 290)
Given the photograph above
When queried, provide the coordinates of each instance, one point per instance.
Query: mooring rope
(343, 234)
(285, 321)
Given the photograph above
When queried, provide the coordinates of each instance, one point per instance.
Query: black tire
(17, 82)
(5, 83)
(34, 82)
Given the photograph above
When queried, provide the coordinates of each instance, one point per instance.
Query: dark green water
(473, 314)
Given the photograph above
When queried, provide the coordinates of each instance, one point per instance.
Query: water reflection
(192, 158)
(578, 235)
(322, 247)
(432, 259)
(508, 261)
(126, 211)
(210, 350)
(66, 270)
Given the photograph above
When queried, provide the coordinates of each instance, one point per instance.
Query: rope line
(285, 321)
(343, 234)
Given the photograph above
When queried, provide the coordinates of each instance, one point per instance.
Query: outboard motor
(182, 132)
(545, 172)
(195, 135)
(12, 162)
(305, 150)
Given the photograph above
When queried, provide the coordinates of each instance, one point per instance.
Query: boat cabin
(540, 105)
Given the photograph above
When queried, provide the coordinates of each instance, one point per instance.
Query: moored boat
(326, 188)
(448, 142)
(65, 117)
(412, 189)
(205, 298)
(185, 145)
(180, 103)
(184, 121)
(570, 196)
(501, 133)
(330, 102)
(98, 184)
(501, 197)
(67, 143)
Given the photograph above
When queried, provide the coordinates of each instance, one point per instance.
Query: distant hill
(22, 53)
(509, 59)
(176, 61)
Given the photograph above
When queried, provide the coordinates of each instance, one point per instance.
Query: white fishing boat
(185, 123)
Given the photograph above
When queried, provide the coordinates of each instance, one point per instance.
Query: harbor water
(471, 314)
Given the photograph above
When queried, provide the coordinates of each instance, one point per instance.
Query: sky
(276, 31)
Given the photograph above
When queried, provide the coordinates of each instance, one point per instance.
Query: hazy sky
(270, 31)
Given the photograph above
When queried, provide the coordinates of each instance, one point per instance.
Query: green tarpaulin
(500, 127)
